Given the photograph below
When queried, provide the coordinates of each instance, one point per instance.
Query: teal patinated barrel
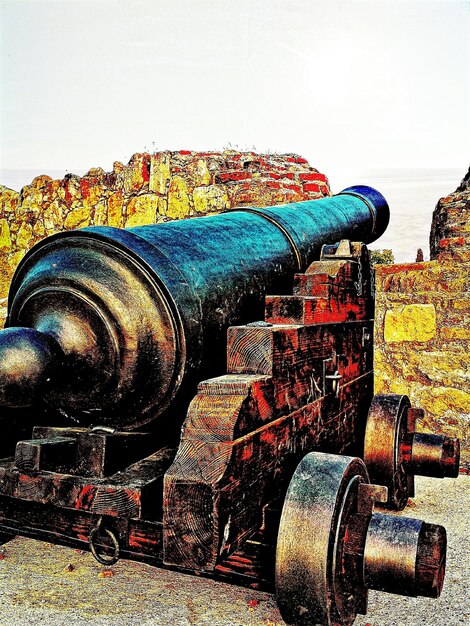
(126, 321)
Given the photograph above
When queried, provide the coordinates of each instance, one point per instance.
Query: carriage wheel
(311, 584)
(387, 436)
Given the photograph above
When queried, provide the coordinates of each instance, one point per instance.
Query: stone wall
(422, 332)
(150, 188)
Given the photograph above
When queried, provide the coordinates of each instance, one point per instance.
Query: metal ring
(370, 206)
(114, 558)
(274, 222)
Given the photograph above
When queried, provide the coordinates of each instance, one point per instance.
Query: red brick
(280, 175)
(313, 176)
(451, 241)
(236, 175)
(312, 187)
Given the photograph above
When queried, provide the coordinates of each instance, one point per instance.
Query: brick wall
(150, 188)
(422, 332)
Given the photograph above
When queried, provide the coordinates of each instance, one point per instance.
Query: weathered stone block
(179, 204)
(38, 230)
(53, 217)
(446, 401)
(134, 177)
(40, 181)
(160, 172)
(198, 173)
(142, 210)
(115, 207)
(5, 237)
(78, 218)
(100, 216)
(209, 199)
(24, 236)
(413, 322)
(91, 192)
(9, 201)
(4, 277)
(455, 333)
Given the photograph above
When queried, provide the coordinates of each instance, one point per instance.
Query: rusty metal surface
(308, 589)
(394, 453)
(435, 455)
(386, 431)
(332, 547)
(390, 554)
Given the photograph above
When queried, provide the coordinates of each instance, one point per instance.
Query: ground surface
(38, 589)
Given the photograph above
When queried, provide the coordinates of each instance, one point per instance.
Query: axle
(332, 547)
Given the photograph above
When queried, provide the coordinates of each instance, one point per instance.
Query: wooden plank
(102, 454)
(346, 307)
(139, 539)
(214, 492)
(229, 406)
(128, 493)
(294, 357)
(52, 454)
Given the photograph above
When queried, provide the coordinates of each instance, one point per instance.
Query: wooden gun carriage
(116, 339)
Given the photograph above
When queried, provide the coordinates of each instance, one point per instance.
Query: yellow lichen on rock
(78, 218)
(198, 173)
(4, 276)
(53, 217)
(115, 204)
(209, 199)
(412, 322)
(9, 200)
(142, 210)
(40, 181)
(5, 237)
(445, 400)
(134, 176)
(100, 217)
(455, 333)
(178, 199)
(24, 236)
(15, 258)
(93, 195)
(160, 173)
(39, 230)
(398, 386)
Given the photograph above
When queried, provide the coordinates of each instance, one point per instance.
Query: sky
(369, 84)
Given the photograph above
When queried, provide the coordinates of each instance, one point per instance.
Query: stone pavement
(38, 588)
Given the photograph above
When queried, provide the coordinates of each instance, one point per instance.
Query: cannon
(199, 394)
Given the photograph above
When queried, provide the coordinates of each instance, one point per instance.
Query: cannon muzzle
(116, 326)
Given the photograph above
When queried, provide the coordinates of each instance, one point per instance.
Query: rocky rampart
(422, 331)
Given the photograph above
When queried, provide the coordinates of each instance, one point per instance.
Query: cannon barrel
(116, 326)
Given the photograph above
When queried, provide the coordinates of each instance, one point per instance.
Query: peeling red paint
(86, 497)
